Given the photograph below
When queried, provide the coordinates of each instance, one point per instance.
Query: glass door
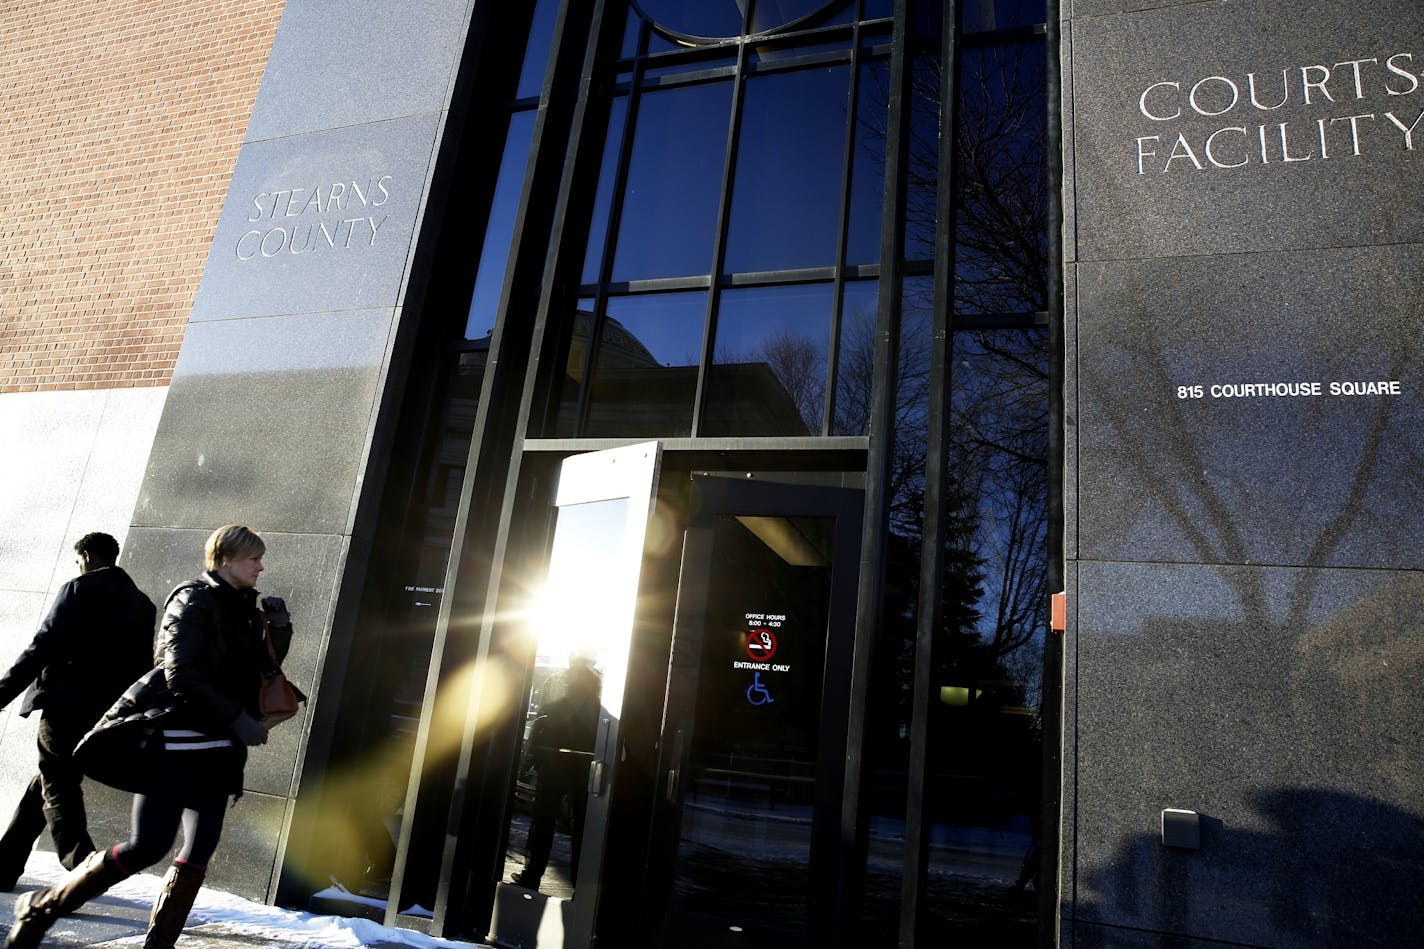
(581, 623)
(753, 740)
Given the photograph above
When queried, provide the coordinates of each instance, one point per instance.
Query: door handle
(595, 777)
(672, 776)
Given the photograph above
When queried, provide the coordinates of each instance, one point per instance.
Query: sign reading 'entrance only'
(762, 641)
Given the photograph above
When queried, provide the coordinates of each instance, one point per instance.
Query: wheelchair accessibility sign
(757, 693)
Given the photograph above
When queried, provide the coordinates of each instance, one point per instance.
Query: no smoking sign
(761, 645)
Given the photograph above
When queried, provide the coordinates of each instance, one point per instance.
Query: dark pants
(549, 794)
(53, 797)
(189, 790)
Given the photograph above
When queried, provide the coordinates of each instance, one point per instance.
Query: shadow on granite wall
(1251, 602)
(1181, 463)
(1326, 869)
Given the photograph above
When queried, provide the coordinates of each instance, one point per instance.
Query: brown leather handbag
(277, 699)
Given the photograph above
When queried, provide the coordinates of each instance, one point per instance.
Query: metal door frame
(712, 497)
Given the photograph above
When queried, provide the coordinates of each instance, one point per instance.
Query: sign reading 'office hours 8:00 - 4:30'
(762, 642)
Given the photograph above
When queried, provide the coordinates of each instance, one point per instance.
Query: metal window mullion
(930, 607)
(850, 870)
(719, 245)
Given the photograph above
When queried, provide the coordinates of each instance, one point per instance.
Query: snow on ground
(219, 911)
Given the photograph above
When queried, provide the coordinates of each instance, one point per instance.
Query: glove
(276, 609)
(249, 730)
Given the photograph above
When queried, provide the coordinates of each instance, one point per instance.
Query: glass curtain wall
(735, 223)
(730, 289)
(974, 525)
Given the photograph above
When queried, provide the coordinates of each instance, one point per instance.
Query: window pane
(723, 18)
(632, 30)
(984, 710)
(1002, 154)
(769, 365)
(786, 201)
(499, 230)
(672, 66)
(923, 159)
(603, 199)
(867, 170)
(982, 15)
(695, 17)
(674, 182)
(565, 422)
(645, 371)
(890, 709)
(771, 14)
(855, 372)
(536, 55)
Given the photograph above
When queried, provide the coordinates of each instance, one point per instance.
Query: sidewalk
(218, 921)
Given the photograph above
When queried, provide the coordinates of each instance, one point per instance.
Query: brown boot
(37, 910)
(175, 900)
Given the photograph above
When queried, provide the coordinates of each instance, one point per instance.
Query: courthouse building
(977, 445)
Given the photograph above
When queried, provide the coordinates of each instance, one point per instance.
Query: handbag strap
(267, 639)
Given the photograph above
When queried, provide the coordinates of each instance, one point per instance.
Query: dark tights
(184, 795)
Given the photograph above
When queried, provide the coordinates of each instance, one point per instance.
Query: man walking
(96, 640)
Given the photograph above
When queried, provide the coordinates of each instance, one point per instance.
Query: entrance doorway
(753, 743)
(738, 840)
(582, 625)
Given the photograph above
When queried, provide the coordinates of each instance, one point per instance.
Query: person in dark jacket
(178, 738)
(97, 638)
(561, 741)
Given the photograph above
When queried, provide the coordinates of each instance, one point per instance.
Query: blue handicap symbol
(757, 694)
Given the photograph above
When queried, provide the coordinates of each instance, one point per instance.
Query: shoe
(526, 879)
(173, 904)
(36, 910)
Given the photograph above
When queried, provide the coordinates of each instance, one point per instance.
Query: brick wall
(122, 122)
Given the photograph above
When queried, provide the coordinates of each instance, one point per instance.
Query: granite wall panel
(1246, 430)
(319, 222)
(267, 423)
(76, 460)
(339, 65)
(1215, 420)
(242, 863)
(1279, 704)
(53, 433)
(1232, 127)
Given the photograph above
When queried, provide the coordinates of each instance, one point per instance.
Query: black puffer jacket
(211, 651)
(210, 659)
(96, 639)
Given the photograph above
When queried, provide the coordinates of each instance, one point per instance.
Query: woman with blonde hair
(178, 739)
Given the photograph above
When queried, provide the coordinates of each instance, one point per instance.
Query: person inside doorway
(561, 743)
